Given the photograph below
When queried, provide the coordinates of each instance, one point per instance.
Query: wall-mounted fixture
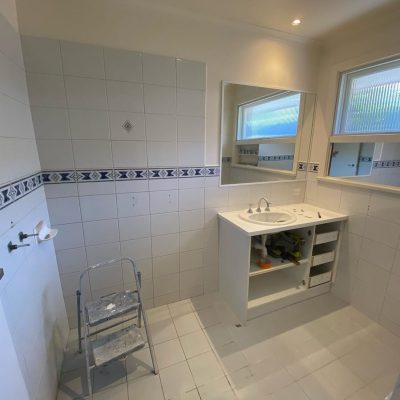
(12, 246)
(1, 273)
(43, 232)
(23, 236)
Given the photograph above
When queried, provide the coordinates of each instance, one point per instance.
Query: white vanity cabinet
(251, 291)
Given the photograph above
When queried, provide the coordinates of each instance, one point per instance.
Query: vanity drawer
(320, 279)
(323, 258)
(326, 237)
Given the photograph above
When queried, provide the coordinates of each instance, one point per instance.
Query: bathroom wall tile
(133, 204)
(166, 265)
(46, 90)
(191, 260)
(118, 119)
(191, 278)
(102, 252)
(64, 210)
(106, 277)
(71, 260)
(159, 70)
(165, 223)
(132, 186)
(94, 188)
(65, 190)
(377, 253)
(95, 208)
(125, 96)
(216, 197)
(55, 154)
(191, 199)
(123, 65)
(12, 80)
(50, 123)
(41, 55)
(82, 60)
(191, 74)
(191, 220)
(98, 232)
(191, 102)
(163, 184)
(89, 124)
(86, 93)
(134, 227)
(190, 154)
(354, 201)
(144, 265)
(137, 248)
(129, 154)
(162, 154)
(69, 236)
(385, 206)
(70, 283)
(191, 240)
(382, 231)
(165, 244)
(159, 99)
(166, 284)
(161, 127)
(91, 154)
(191, 129)
(163, 201)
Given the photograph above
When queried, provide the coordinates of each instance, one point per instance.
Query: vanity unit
(251, 291)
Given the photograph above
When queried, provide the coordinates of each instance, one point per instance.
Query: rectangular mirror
(265, 133)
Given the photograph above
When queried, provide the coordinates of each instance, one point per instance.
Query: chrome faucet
(266, 202)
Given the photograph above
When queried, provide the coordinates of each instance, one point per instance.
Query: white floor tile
(169, 353)
(147, 387)
(177, 381)
(194, 343)
(205, 368)
(185, 324)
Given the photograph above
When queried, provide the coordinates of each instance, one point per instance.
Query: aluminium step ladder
(124, 308)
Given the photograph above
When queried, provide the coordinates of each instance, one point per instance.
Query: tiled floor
(321, 349)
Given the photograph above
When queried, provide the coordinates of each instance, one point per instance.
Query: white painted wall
(369, 269)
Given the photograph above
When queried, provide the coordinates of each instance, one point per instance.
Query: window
(365, 142)
(369, 100)
(274, 116)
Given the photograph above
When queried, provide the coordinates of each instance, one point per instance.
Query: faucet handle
(250, 211)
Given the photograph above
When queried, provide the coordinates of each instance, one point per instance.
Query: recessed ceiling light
(296, 22)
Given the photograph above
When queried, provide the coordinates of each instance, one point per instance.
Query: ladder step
(116, 345)
(111, 306)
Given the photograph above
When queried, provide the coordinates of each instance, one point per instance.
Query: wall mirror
(265, 133)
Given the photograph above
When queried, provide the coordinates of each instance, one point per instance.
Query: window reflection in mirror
(264, 133)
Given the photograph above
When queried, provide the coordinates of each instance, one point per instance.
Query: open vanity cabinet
(251, 291)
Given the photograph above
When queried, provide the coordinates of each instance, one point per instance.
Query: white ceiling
(318, 16)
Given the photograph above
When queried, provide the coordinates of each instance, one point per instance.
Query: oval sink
(269, 217)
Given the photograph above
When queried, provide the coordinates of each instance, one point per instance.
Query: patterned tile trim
(13, 191)
(276, 158)
(386, 164)
(163, 173)
(100, 175)
(59, 176)
(130, 174)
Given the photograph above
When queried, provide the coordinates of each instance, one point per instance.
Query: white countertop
(307, 215)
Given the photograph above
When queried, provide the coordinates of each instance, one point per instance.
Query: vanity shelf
(252, 291)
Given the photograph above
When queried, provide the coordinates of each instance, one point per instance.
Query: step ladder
(125, 308)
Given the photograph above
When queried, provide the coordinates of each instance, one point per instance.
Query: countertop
(307, 215)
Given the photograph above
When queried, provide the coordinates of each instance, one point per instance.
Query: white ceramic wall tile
(136, 249)
(159, 99)
(165, 244)
(191, 74)
(89, 124)
(134, 227)
(190, 154)
(41, 55)
(46, 90)
(131, 186)
(133, 204)
(105, 278)
(191, 220)
(159, 70)
(82, 60)
(191, 129)
(191, 240)
(216, 197)
(163, 184)
(191, 260)
(191, 278)
(165, 223)
(382, 231)
(55, 154)
(129, 153)
(166, 265)
(95, 208)
(166, 284)
(86, 93)
(98, 232)
(191, 183)
(102, 252)
(64, 210)
(71, 260)
(191, 199)
(117, 121)
(89, 154)
(50, 123)
(163, 201)
(162, 154)
(125, 96)
(123, 65)
(69, 236)
(161, 127)
(94, 188)
(66, 190)
(191, 102)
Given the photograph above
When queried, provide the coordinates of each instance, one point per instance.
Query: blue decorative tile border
(386, 164)
(280, 157)
(13, 191)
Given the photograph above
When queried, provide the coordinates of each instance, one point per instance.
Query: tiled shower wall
(142, 192)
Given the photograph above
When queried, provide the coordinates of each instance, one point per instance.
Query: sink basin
(269, 217)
